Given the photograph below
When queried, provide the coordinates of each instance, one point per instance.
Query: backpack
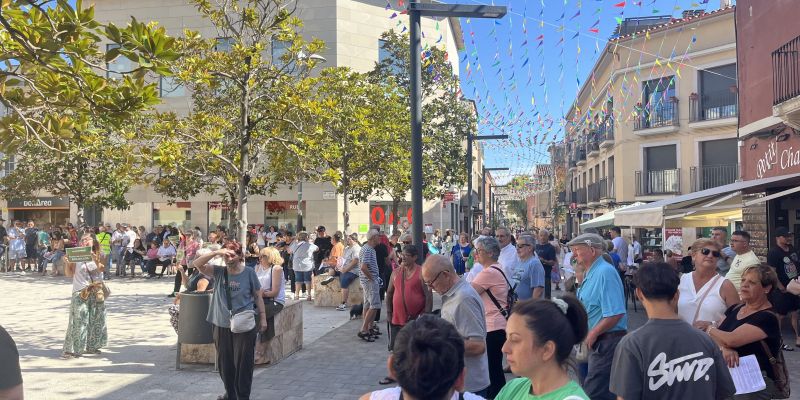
(511, 297)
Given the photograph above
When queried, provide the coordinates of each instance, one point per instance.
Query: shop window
(178, 214)
(281, 214)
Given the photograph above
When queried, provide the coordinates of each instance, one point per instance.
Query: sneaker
(342, 307)
(328, 280)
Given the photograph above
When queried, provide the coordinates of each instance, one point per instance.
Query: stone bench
(330, 295)
(288, 339)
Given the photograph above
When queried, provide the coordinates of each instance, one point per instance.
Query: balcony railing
(581, 192)
(711, 176)
(581, 154)
(607, 188)
(667, 181)
(593, 192)
(709, 107)
(786, 72)
(605, 130)
(592, 146)
(663, 113)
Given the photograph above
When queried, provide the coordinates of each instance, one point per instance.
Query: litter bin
(192, 325)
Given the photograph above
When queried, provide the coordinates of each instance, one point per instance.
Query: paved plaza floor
(139, 361)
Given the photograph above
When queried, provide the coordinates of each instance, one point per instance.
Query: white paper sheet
(747, 376)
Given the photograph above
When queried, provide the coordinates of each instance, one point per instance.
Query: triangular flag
(620, 4)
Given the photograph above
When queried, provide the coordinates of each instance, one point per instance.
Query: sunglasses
(706, 252)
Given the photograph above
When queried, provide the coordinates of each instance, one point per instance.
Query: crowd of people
(705, 311)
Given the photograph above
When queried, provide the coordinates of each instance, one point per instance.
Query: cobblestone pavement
(140, 359)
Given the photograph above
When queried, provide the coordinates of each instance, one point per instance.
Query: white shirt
(116, 237)
(473, 272)
(509, 260)
(713, 307)
(271, 237)
(132, 236)
(350, 254)
(740, 263)
(303, 260)
(85, 273)
(165, 253)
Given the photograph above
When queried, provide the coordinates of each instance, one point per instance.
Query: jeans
(598, 376)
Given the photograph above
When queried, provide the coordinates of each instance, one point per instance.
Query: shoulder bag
(511, 298)
(778, 365)
(710, 284)
(243, 321)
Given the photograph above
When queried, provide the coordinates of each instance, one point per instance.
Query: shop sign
(775, 156)
(380, 216)
(280, 206)
(328, 195)
(39, 202)
(218, 205)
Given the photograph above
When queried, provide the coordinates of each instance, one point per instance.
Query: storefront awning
(715, 204)
(606, 220)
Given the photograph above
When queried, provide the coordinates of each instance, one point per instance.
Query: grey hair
(302, 236)
(528, 239)
(508, 231)
(544, 232)
(372, 233)
(491, 246)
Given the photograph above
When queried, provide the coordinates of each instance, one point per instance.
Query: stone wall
(288, 339)
(330, 295)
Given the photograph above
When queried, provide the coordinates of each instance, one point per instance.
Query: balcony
(607, 189)
(572, 164)
(581, 156)
(658, 119)
(593, 193)
(786, 83)
(581, 196)
(717, 109)
(606, 132)
(592, 148)
(711, 176)
(650, 183)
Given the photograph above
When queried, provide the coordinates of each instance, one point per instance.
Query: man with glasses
(530, 273)
(745, 257)
(508, 252)
(601, 293)
(462, 307)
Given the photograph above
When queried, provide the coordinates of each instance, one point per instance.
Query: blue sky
(525, 69)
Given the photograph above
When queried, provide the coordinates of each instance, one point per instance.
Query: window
(279, 49)
(118, 66)
(658, 106)
(281, 214)
(224, 44)
(170, 87)
(717, 99)
(9, 163)
(178, 214)
(658, 158)
(661, 173)
(218, 215)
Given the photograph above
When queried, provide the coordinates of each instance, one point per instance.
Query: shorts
(372, 296)
(346, 279)
(302, 276)
(16, 254)
(31, 251)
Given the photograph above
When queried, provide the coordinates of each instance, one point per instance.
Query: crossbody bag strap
(772, 359)
(496, 303)
(227, 291)
(504, 277)
(403, 292)
(710, 284)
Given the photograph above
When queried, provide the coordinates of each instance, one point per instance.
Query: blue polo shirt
(602, 295)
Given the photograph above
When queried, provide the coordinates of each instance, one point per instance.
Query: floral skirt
(87, 325)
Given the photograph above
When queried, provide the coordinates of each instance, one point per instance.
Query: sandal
(387, 381)
(365, 336)
(374, 331)
(786, 347)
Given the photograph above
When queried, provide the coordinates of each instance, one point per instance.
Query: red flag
(621, 4)
(595, 30)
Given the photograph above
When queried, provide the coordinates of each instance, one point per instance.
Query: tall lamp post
(483, 190)
(415, 12)
(318, 58)
(492, 210)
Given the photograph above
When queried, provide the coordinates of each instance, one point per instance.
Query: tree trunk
(244, 160)
(79, 215)
(345, 197)
(395, 215)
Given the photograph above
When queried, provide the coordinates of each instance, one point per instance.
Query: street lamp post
(492, 209)
(415, 12)
(483, 189)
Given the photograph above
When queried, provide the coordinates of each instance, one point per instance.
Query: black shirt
(381, 252)
(325, 245)
(10, 375)
(546, 252)
(31, 236)
(764, 320)
(784, 262)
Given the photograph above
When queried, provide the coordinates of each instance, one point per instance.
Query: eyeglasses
(430, 284)
(523, 245)
(706, 251)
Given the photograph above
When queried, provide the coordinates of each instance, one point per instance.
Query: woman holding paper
(86, 332)
(751, 325)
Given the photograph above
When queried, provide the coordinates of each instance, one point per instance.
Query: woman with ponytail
(540, 336)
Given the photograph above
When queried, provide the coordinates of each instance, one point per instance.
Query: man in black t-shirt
(784, 260)
(324, 247)
(10, 375)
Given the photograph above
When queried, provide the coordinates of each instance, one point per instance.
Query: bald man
(462, 307)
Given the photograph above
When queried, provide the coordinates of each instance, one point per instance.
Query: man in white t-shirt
(117, 250)
(620, 247)
(745, 257)
(508, 252)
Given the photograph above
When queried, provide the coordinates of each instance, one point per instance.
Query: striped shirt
(368, 256)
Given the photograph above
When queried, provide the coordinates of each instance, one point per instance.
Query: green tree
(63, 114)
(249, 128)
(519, 208)
(447, 120)
(357, 123)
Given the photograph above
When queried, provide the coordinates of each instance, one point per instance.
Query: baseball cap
(588, 239)
(320, 228)
(783, 231)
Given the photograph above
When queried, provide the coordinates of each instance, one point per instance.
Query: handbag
(793, 287)
(778, 365)
(243, 321)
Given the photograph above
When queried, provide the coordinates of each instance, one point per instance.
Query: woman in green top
(539, 338)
